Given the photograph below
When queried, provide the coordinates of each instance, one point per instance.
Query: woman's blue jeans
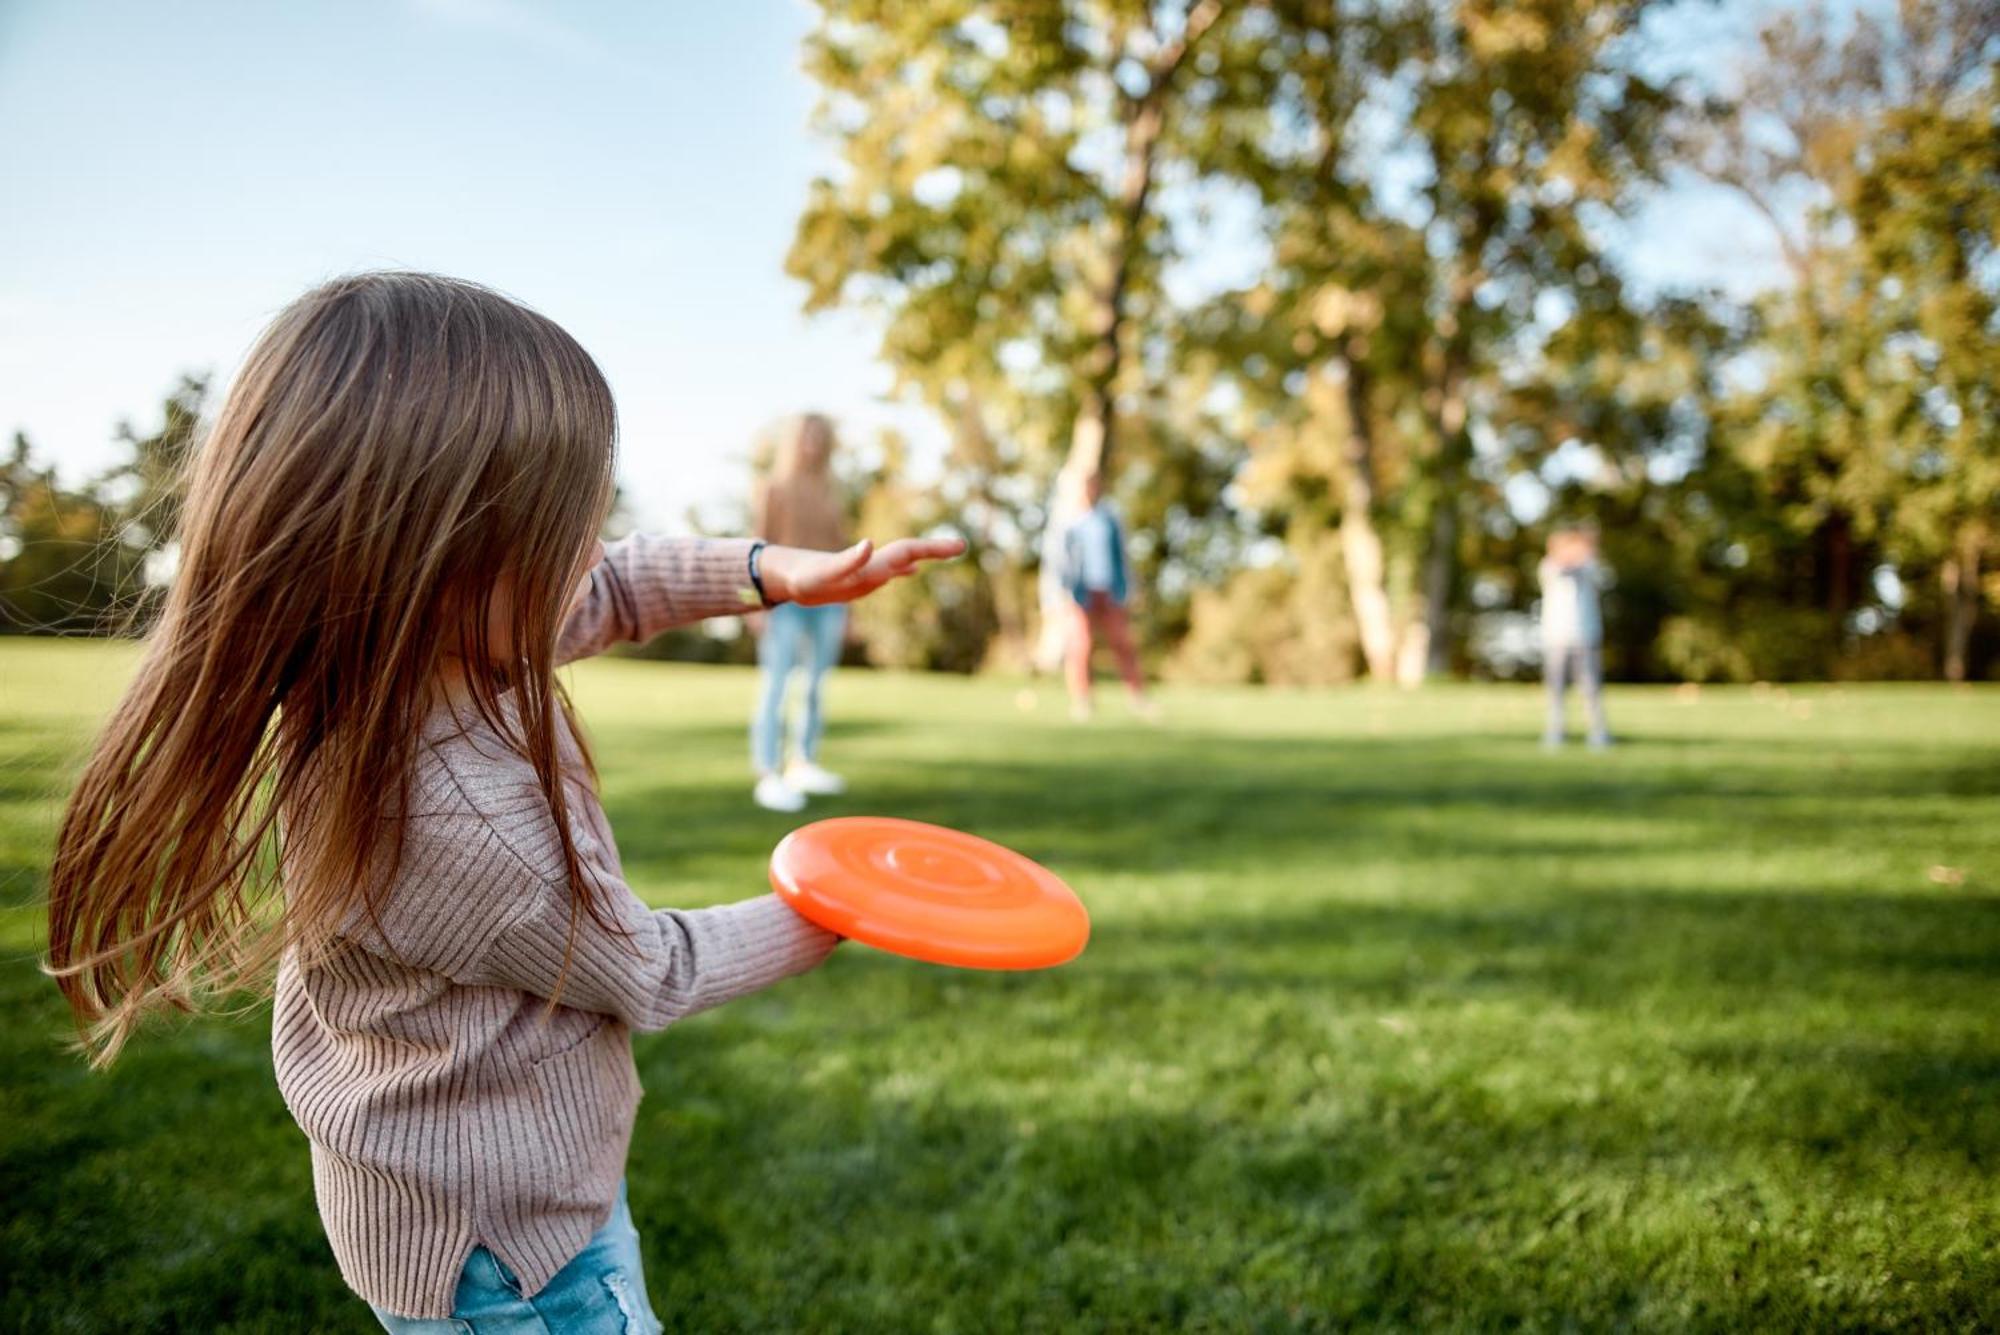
(794, 637)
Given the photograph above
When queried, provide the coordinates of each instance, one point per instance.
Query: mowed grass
(1388, 1020)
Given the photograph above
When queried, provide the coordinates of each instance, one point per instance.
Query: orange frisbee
(929, 893)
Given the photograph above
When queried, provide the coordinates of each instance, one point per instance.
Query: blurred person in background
(1064, 508)
(797, 505)
(1573, 630)
(1094, 580)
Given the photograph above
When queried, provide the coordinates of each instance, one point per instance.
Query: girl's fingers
(904, 553)
(832, 571)
(849, 561)
(860, 569)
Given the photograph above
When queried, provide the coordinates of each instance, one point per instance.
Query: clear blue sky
(177, 172)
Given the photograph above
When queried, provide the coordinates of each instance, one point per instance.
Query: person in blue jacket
(1095, 575)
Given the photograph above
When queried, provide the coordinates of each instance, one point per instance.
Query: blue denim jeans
(602, 1291)
(794, 636)
(1584, 664)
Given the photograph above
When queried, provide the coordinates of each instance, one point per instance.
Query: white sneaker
(807, 777)
(773, 794)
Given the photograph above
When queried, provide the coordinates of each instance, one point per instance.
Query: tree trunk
(1960, 576)
(1428, 649)
(1839, 571)
(1440, 577)
(1094, 433)
(1360, 542)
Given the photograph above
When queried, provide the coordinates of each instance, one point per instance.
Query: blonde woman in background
(797, 505)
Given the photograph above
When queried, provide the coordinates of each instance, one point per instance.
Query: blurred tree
(941, 619)
(1435, 354)
(997, 201)
(1610, 429)
(94, 558)
(1534, 123)
(1867, 141)
(62, 569)
(995, 196)
(149, 486)
(1927, 206)
(1283, 623)
(1435, 173)
(145, 493)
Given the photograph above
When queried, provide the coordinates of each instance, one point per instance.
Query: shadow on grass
(1297, 1178)
(1398, 1200)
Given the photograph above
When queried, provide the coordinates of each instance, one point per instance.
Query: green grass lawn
(1388, 1019)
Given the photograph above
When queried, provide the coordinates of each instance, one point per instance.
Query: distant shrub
(1285, 624)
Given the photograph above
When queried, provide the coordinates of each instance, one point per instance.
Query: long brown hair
(404, 462)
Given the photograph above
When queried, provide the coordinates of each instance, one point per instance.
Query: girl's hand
(809, 578)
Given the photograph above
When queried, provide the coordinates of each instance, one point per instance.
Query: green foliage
(150, 482)
(942, 618)
(983, 206)
(1437, 330)
(1772, 645)
(1283, 624)
(1388, 1021)
(1868, 430)
(79, 560)
(63, 567)
(994, 204)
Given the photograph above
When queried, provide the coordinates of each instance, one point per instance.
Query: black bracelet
(757, 572)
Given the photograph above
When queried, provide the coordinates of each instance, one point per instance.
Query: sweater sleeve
(647, 584)
(667, 964)
(487, 918)
(480, 897)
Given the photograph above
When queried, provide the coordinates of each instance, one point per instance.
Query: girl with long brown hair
(346, 752)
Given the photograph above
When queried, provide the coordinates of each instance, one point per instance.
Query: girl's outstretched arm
(646, 584)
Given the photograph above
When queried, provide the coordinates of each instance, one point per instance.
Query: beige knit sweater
(445, 1106)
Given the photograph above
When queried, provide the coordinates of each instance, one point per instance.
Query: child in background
(798, 505)
(1094, 574)
(1573, 630)
(389, 546)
